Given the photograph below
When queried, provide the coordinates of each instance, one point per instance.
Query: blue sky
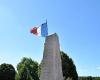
(77, 23)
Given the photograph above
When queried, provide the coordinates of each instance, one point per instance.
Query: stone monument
(51, 68)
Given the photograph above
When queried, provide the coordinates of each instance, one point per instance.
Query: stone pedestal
(51, 68)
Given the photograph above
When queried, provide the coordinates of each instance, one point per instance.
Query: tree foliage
(88, 78)
(7, 72)
(27, 69)
(68, 67)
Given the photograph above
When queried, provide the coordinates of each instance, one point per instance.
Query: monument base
(51, 68)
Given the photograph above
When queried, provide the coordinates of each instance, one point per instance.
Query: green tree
(7, 72)
(27, 70)
(68, 67)
(89, 78)
(17, 77)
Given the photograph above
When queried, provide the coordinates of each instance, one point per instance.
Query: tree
(68, 67)
(89, 78)
(27, 70)
(7, 72)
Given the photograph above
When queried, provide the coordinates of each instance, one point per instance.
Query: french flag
(41, 30)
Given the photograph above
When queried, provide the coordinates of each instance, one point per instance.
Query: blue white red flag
(41, 30)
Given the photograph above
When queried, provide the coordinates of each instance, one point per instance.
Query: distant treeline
(89, 78)
(28, 69)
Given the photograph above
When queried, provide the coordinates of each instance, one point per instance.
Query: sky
(77, 23)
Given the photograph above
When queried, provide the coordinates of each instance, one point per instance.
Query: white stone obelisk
(51, 68)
